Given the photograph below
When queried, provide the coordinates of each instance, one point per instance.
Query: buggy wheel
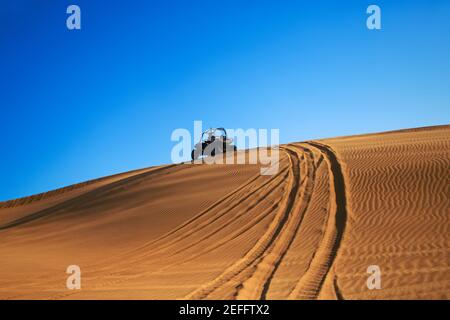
(194, 156)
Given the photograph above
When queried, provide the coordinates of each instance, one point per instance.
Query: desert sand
(186, 231)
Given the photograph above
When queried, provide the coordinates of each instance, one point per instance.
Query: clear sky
(77, 105)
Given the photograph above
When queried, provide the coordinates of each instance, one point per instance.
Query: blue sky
(77, 105)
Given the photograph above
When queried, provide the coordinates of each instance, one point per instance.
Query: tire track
(310, 285)
(257, 285)
(240, 194)
(254, 255)
(204, 218)
(178, 246)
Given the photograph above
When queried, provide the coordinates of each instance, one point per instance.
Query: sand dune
(335, 207)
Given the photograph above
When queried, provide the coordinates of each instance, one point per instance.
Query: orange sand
(335, 207)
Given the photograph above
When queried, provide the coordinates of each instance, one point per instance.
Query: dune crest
(335, 207)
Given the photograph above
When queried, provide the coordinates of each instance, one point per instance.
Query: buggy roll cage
(212, 131)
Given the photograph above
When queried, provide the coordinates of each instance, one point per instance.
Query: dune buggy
(213, 141)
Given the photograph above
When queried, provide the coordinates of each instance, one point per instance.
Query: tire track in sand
(257, 253)
(257, 285)
(226, 203)
(212, 213)
(311, 284)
